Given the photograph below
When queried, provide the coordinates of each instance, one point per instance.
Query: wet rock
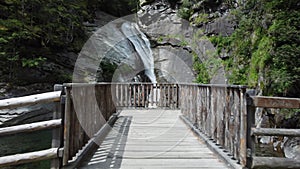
(292, 148)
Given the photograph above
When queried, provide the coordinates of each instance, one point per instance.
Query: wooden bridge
(142, 125)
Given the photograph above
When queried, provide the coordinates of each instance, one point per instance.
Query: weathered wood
(92, 144)
(134, 96)
(276, 102)
(67, 127)
(163, 143)
(30, 100)
(275, 132)
(250, 124)
(57, 133)
(243, 128)
(28, 157)
(30, 127)
(275, 162)
(220, 152)
(236, 131)
(220, 114)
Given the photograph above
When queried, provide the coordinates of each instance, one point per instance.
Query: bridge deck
(152, 139)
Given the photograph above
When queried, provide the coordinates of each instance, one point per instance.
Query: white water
(142, 47)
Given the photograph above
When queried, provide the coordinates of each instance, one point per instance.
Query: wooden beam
(67, 126)
(30, 100)
(28, 157)
(275, 132)
(275, 162)
(30, 127)
(92, 144)
(276, 102)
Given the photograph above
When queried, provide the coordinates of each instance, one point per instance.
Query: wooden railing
(55, 124)
(145, 95)
(87, 109)
(223, 114)
(269, 102)
(220, 113)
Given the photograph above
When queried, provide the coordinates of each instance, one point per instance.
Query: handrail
(219, 112)
(223, 113)
(51, 153)
(29, 157)
(30, 100)
(252, 131)
(50, 124)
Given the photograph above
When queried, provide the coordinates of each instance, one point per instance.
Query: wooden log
(29, 157)
(275, 132)
(276, 102)
(30, 100)
(30, 127)
(275, 162)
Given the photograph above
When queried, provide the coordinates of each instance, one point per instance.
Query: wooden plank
(169, 96)
(275, 132)
(134, 95)
(139, 95)
(243, 128)
(212, 146)
(179, 163)
(276, 102)
(28, 157)
(57, 133)
(145, 142)
(152, 94)
(122, 95)
(30, 100)
(93, 143)
(30, 127)
(236, 131)
(213, 114)
(67, 126)
(143, 94)
(275, 162)
(227, 119)
(250, 123)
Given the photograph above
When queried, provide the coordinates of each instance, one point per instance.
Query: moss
(202, 18)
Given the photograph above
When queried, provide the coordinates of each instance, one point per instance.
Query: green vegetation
(264, 49)
(33, 31)
(185, 10)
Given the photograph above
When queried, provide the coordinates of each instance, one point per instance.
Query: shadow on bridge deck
(152, 139)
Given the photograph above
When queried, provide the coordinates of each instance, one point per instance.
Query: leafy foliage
(265, 47)
(33, 30)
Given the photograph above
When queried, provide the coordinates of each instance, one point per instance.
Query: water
(142, 47)
(23, 143)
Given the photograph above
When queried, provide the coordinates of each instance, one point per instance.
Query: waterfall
(142, 47)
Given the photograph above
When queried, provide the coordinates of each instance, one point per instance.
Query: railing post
(243, 127)
(250, 124)
(56, 133)
(67, 121)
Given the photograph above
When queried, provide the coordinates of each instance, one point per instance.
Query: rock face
(160, 22)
